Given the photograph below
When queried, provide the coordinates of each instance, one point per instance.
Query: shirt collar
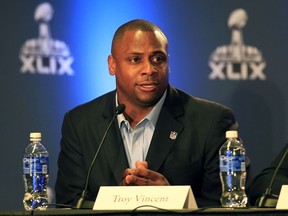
(151, 116)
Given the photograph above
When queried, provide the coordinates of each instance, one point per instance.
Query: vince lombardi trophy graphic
(237, 61)
(43, 15)
(236, 22)
(45, 55)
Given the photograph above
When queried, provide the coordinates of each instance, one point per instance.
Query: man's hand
(142, 176)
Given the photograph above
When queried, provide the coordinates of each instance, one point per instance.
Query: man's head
(139, 61)
(135, 25)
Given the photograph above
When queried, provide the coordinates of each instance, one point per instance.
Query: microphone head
(120, 109)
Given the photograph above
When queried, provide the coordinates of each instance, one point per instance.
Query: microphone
(81, 203)
(269, 200)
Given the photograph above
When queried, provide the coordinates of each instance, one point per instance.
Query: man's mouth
(148, 86)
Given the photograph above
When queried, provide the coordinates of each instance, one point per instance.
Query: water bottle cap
(35, 136)
(232, 134)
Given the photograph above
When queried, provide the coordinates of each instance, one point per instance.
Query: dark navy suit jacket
(190, 158)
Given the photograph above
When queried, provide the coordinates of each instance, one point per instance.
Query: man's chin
(149, 102)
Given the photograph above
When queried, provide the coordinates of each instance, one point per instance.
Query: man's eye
(158, 59)
(135, 60)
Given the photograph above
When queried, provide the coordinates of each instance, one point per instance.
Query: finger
(129, 172)
(130, 180)
(143, 172)
(125, 173)
(159, 179)
(135, 180)
(145, 164)
(142, 164)
(149, 177)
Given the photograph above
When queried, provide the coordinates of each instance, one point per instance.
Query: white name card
(144, 197)
(283, 198)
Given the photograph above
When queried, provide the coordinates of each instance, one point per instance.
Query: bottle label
(35, 165)
(232, 163)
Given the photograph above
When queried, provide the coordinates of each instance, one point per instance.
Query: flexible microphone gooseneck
(269, 200)
(80, 203)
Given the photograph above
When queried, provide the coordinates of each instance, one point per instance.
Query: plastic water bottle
(35, 174)
(233, 172)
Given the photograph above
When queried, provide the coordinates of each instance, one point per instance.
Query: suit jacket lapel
(113, 146)
(115, 152)
(167, 130)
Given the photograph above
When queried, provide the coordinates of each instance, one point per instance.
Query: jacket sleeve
(71, 168)
(263, 179)
(211, 188)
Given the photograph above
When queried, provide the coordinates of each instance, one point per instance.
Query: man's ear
(111, 65)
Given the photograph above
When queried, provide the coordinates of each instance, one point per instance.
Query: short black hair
(137, 24)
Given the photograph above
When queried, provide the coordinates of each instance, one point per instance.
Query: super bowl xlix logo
(237, 61)
(45, 55)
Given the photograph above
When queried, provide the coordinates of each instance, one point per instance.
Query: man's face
(140, 64)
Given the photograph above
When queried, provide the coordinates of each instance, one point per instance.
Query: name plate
(283, 198)
(144, 197)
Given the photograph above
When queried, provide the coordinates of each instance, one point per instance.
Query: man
(263, 180)
(164, 136)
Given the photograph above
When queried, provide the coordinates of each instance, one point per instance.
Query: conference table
(201, 212)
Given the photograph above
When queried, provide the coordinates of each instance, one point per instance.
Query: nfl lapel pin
(173, 135)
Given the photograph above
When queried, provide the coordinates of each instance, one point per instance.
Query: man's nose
(149, 68)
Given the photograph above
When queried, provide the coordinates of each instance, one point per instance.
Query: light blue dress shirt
(137, 140)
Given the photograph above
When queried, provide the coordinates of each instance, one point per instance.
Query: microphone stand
(269, 200)
(81, 202)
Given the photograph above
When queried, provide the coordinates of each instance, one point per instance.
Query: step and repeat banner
(54, 57)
